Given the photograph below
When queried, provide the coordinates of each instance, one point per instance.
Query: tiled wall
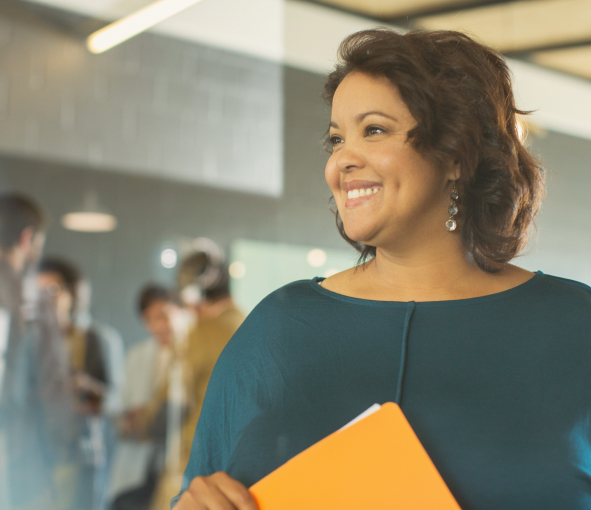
(153, 105)
(154, 213)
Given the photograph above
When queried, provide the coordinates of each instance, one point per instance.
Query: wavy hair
(459, 92)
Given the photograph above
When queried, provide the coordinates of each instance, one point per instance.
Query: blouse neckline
(315, 283)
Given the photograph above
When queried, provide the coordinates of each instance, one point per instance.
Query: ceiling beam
(400, 12)
(519, 26)
(576, 60)
(526, 54)
(386, 10)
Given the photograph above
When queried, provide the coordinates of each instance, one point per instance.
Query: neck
(437, 273)
(211, 309)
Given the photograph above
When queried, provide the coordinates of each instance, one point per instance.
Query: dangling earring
(451, 224)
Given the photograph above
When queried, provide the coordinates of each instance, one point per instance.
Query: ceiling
(552, 33)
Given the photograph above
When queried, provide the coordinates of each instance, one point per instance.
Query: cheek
(332, 176)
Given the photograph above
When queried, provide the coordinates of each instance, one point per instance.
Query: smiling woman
(489, 363)
(455, 105)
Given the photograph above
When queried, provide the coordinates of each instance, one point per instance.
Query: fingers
(216, 492)
(237, 493)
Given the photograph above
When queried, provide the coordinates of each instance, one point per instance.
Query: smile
(356, 193)
(359, 196)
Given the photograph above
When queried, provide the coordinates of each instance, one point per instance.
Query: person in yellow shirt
(203, 282)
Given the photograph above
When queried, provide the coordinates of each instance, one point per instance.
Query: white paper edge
(364, 414)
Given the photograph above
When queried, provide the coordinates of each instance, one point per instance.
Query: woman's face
(385, 191)
(54, 285)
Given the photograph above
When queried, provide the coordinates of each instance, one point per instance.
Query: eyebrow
(362, 116)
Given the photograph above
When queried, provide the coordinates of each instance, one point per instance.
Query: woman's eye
(374, 130)
(330, 142)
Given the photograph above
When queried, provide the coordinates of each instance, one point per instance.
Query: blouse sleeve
(238, 391)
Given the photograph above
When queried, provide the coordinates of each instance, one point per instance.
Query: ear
(454, 170)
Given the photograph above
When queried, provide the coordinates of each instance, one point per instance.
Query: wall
(152, 212)
(562, 244)
(154, 105)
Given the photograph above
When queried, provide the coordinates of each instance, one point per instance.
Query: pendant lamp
(90, 217)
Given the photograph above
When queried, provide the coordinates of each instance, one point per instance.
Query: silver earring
(451, 224)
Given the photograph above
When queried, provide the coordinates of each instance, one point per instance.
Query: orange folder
(377, 463)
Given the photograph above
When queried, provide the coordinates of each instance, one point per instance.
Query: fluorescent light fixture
(135, 23)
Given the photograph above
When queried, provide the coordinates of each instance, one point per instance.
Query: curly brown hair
(459, 92)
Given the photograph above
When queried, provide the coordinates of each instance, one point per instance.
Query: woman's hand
(216, 492)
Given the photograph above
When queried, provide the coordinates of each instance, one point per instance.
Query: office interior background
(211, 124)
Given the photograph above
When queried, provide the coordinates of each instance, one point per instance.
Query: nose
(349, 158)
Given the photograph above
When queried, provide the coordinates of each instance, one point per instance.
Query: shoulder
(110, 340)
(297, 300)
(562, 288)
(297, 292)
(285, 316)
(107, 334)
(559, 302)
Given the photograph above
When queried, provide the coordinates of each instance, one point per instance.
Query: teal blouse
(497, 388)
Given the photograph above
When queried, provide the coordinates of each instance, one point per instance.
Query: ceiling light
(135, 23)
(89, 222)
(168, 258)
(91, 217)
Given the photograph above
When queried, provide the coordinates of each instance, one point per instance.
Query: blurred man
(35, 414)
(138, 457)
(93, 361)
(204, 286)
(218, 318)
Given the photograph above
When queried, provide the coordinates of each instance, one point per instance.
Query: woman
(489, 362)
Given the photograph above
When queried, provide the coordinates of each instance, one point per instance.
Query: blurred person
(35, 402)
(490, 363)
(83, 473)
(114, 354)
(204, 287)
(139, 452)
(111, 344)
(218, 318)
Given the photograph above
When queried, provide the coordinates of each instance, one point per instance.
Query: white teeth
(356, 193)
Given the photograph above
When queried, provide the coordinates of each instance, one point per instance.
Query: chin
(359, 236)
